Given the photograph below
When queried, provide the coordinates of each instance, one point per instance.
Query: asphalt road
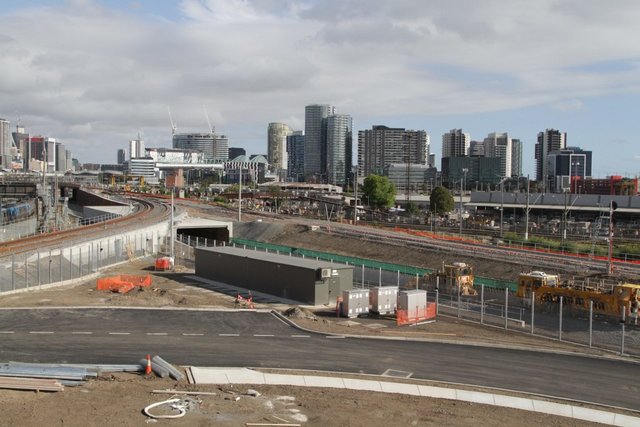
(206, 338)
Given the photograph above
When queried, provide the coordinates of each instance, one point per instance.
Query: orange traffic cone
(147, 370)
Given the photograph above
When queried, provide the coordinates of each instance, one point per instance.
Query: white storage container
(354, 302)
(412, 300)
(383, 299)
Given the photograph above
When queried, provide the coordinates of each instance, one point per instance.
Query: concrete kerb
(203, 375)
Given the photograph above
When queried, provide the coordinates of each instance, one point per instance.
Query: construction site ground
(119, 399)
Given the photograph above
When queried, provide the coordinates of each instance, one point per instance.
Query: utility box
(383, 299)
(413, 300)
(354, 302)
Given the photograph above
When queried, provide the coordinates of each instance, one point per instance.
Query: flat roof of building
(308, 263)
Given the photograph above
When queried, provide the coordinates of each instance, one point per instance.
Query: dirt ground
(119, 399)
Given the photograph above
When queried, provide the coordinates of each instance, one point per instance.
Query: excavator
(454, 278)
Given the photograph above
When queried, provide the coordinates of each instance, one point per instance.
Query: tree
(412, 208)
(441, 201)
(379, 191)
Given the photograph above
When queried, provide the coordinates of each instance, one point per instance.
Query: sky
(94, 73)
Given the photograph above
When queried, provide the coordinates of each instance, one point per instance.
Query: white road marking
(41, 332)
(193, 335)
(262, 335)
(81, 333)
(157, 333)
(6, 332)
(119, 333)
(300, 336)
(228, 335)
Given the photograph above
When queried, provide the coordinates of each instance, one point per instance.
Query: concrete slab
(409, 389)
(330, 382)
(594, 415)
(355, 384)
(375, 326)
(625, 420)
(226, 376)
(513, 402)
(553, 408)
(437, 392)
(475, 397)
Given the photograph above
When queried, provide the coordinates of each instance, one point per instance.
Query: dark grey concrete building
(306, 280)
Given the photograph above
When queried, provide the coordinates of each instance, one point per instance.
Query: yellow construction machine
(454, 278)
(608, 298)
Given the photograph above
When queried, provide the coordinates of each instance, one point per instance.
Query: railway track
(147, 211)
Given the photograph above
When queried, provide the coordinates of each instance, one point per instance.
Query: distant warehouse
(306, 280)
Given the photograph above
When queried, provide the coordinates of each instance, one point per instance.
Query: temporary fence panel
(421, 314)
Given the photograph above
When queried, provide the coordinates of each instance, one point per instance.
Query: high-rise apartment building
(516, 157)
(277, 146)
(214, 146)
(382, 146)
(315, 139)
(122, 156)
(22, 141)
(295, 156)
(455, 143)
(476, 149)
(136, 148)
(548, 141)
(339, 148)
(498, 145)
(6, 144)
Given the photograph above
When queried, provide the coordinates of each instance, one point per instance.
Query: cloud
(87, 70)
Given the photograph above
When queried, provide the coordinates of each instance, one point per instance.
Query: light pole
(501, 206)
(464, 175)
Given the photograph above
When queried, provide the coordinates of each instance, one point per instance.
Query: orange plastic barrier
(406, 317)
(123, 283)
(164, 263)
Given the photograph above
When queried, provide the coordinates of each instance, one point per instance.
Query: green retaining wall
(405, 269)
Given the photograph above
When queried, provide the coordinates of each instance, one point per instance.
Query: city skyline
(93, 74)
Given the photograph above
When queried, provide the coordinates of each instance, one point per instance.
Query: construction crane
(174, 126)
(212, 129)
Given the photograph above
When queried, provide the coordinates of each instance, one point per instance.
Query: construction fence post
(38, 268)
(13, 272)
(437, 301)
(506, 308)
(590, 323)
(398, 280)
(26, 272)
(458, 300)
(622, 323)
(50, 261)
(61, 277)
(560, 325)
(363, 275)
(379, 276)
(533, 309)
(80, 262)
(482, 304)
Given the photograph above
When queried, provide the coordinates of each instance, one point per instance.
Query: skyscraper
(277, 146)
(516, 157)
(381, 146)
(295, 156)
(455, 143)
(122, 155)
(136, 148)
(315, 139)
(6, 144)
(339, 148)
(548, 141)
(498, 145)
